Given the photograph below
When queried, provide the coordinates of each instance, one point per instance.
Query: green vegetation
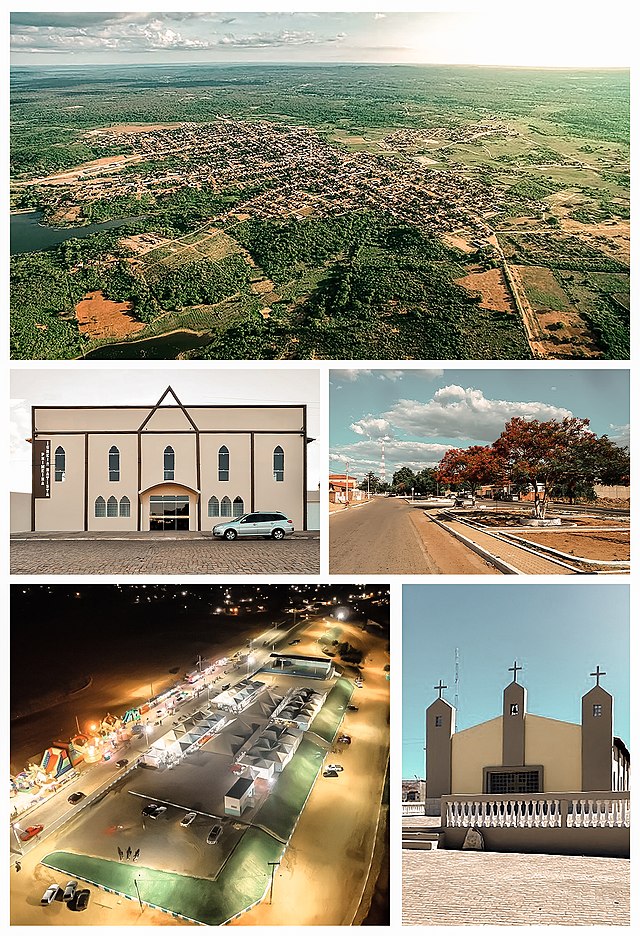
(355, 285)
(242, 881)
(281, 809)
(329, 718)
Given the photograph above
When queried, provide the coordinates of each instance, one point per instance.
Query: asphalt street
(389, 536)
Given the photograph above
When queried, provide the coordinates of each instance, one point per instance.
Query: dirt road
(390, 536)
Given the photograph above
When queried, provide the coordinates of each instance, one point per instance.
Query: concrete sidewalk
(454, 888)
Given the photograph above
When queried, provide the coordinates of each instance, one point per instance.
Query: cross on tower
(598, 673)
(515, 669)
(440, 687)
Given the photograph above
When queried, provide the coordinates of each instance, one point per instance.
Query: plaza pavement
(151, 553)
(453, 888)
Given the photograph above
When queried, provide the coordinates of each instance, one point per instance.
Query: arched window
(112, 507)
(125, 507)
(59, 464)
(100, 508)
(223, 464)
(114, 464)
(214, 507)
(169, 463)
(238, 507)
(225, 507)
(278, 464)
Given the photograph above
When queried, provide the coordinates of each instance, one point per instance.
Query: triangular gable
(183, 419)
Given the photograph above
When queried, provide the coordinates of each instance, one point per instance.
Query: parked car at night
(70, 891)
(30, 832)
(81, 900)
(153, 810)
(122, 763)
(270, 525)
(330, 773)
(337, 767)
(188, 819)
(214, 835)
(352, 708)
(50, 894)
(75, 798)
(344, 739)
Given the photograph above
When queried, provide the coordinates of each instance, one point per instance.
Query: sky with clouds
(498, 35)
(421, 413)
(105, 386)
(478, 620)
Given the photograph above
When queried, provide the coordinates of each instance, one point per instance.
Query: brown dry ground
(101, 318)
(606, 545)
(613, 238)
(493, 289)
(459, 242)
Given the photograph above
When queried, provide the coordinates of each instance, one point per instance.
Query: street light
(273, 865)
(135, 881)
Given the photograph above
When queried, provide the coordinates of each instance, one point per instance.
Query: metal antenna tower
(456, 681)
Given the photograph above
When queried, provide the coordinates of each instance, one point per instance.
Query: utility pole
(135, 881)
(456, 682)
(346, 485)
(273, 865)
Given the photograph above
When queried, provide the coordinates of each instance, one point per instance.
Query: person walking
(120, 854)
(136, 854)
(18, 866)
(128, 852)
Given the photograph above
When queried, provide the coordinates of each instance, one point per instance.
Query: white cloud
(620, 434)
(466, 414)
(372, 427)
(351, 374)
(366, 455)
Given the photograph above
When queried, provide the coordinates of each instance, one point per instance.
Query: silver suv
(270, 524)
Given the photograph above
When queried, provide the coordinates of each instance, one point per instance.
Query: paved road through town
(388, 535)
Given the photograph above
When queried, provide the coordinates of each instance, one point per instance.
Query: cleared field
(605, 546)
(99, 317)
(493, 289)
(543, 290)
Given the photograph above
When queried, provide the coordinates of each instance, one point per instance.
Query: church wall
(557, 746)
(471, 751)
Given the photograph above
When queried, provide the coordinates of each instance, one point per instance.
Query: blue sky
(557, 633)
(487, 34)
(422, 413)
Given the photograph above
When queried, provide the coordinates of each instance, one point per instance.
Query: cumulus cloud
(464, 413)
(351, 374)
(365, 456)
(372, 427)
(145, 32)
(620, 434)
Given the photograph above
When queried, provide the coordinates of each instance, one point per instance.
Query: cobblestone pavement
(483, 888)
(195, 555)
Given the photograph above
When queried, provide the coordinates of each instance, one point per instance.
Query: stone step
(424, 844)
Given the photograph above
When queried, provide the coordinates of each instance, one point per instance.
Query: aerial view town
(217, 754)
(392, 209)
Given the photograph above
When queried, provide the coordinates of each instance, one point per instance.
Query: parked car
(81, 900)
(225, 687)
(344, 739)
(352, 708)
(293, 643)
(122, 763)
(214, 835)
(75, 798)
(50, 894)
(271, 524)
(70, 891)
(337, 767)
(330, 773)
(187, 819)
(30, 832)
(153, 810)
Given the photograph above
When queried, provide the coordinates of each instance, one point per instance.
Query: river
(28, 234)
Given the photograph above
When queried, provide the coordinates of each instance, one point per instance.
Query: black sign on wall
(41, 473)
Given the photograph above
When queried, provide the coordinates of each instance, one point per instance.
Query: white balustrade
(534, 812)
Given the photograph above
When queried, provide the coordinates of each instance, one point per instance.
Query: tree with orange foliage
(473, 466)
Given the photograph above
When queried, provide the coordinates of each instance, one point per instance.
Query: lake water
(162, 348)
(29, 234)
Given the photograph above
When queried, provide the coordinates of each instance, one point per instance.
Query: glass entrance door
(169, 512)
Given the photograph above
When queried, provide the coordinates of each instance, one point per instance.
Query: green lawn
(284, 804)
(241, 883)
(328, 719)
